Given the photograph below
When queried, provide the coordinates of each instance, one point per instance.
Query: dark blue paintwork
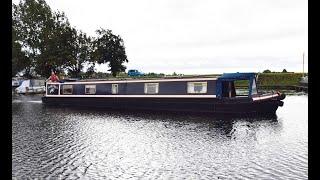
(137, 88)
(231, 77)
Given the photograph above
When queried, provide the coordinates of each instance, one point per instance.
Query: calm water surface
(64, 143)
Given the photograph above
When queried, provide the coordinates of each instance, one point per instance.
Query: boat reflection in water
(226, 124)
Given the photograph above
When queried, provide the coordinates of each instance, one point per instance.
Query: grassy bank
(279, 79)
(275, 80)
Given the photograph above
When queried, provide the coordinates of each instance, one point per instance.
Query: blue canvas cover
(230, 77)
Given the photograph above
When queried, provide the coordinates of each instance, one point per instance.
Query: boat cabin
(221, 87)
(226, 85)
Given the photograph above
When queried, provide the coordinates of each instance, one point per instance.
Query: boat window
(197, 87)
(90, 89)
(242, 87)
(114, 88)
(67, 89)
(53, 89)
(151, 88)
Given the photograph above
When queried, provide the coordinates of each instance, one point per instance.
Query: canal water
(68, 143)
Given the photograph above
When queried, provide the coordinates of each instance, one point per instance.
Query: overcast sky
(199, 37)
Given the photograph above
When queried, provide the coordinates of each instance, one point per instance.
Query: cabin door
(228, 89)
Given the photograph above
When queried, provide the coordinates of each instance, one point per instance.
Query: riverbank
(269, 81)
(281, 81)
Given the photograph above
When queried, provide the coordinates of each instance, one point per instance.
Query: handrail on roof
(236, 76)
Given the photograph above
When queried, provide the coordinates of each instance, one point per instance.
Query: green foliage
(80, 49)
(284, 71)
(279, 79)
(267, 71)
(242, 83)
(43, 40)
(109, 48)
(58, 47)
(32, 20)
(154, 75)
(19, 59)
(273, 79)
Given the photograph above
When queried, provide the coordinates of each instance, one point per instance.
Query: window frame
(146, 88)
(88, 86)
(254, 89)
(193, 84)
(117, 89)
(64, 87)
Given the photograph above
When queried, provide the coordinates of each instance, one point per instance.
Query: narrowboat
(196, 94)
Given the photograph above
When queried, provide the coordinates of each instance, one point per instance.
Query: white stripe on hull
(137, 96)
(264, 97)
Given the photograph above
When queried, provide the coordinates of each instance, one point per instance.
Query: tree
(44, 40)
(109, 48)
(19, 59)
(267, 71)
(90, 71)
(81, 47)
(57, 47)
(47, 38)
(284, 71)
(31, 20)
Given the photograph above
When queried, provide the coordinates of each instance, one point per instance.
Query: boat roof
(237, 76)
(138, 80)
(187, 77)
(223, 77)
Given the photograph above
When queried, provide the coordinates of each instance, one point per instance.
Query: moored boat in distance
(31, 86)
(16, 81)
(304, 81)
(198, 94)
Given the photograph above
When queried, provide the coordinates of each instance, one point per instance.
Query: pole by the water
(303, 65)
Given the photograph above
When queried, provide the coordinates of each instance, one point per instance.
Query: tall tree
(19, 59)
(109, 48)
(57, 46)
(31, 19)
(81, 48)
(44, 40)
(46, 36)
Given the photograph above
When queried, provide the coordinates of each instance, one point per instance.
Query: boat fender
(282, 96)
(280, 103)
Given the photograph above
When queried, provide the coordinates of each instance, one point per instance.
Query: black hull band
(205, 105)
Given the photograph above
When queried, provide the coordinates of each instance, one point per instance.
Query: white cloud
(208, 36)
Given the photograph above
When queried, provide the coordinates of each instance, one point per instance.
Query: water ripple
(65, 143)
